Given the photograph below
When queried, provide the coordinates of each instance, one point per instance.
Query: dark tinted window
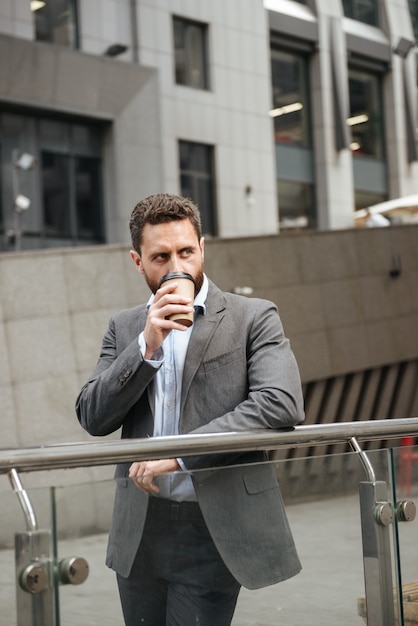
(190, 53)
(362, 10)
(197, 181)
(290, 110)
(56, 195)
(56, 22)
(366, 114)
(88, 198)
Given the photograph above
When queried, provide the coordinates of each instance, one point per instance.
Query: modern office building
(271, 115)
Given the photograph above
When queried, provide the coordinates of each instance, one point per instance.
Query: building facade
(270, 115)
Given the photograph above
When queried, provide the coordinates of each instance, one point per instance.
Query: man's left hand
(144, 472)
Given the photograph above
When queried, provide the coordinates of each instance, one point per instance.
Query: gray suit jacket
(239, 374)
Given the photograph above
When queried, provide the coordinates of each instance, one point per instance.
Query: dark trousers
(178, 577)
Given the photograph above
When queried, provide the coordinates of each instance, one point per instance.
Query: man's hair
(159, 209)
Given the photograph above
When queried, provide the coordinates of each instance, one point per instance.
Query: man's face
(170, 247)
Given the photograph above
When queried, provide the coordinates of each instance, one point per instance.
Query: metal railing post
(376, 516)
(37, 571)
(33, 567)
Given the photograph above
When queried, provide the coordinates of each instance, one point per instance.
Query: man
(182, 543)
(376, 219)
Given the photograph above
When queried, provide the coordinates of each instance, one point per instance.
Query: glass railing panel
(82, 515)
(13, 522)
(405, 482)
(10, 518)
(327, 529)
(73, 523)
(321, 496)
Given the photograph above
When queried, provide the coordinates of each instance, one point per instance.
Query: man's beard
(198, 279)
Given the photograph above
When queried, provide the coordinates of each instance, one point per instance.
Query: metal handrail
(86, 454)
(24, 500)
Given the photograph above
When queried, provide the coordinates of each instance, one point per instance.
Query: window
(366, 114)
(64, 187)
(1, 197)
(365, 199)
(290, 111)
(56, 22)
(413, 10)
(292, 135)
(56, 195)
(297, 205)
(367, 137)
(88, 202)
(362, 10)
(71, 197)
(190, 53)
(197, 181)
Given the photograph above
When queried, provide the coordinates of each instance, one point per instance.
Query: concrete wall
(340, 307)
(338, 303)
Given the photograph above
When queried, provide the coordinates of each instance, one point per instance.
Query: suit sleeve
(120, 378)
(271, 396)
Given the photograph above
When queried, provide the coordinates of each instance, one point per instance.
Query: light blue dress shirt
(167, 396)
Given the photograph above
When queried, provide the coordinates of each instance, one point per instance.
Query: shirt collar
(199, 301)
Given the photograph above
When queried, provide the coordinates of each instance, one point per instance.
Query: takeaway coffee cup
(185, 287)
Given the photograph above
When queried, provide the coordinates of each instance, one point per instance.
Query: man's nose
(175, 265)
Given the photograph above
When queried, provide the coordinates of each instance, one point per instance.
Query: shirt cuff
(182, 465)
(157, 357)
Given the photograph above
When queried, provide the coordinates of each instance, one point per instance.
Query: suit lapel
(140, 325)
(135, 326)
(203, 331)
(142, 318)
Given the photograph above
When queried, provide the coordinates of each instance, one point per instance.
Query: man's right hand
(157, 327)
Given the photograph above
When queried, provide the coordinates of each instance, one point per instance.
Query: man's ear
(137, 260)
